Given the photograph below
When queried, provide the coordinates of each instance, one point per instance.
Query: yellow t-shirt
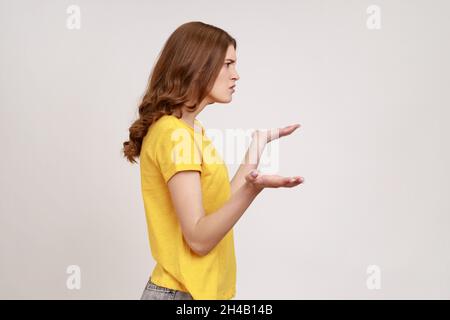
(172, 145)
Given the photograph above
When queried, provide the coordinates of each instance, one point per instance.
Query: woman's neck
(189, 117)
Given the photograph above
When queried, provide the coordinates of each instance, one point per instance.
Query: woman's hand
(255, 179)
(265, 136)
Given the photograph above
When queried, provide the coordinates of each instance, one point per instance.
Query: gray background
(374, 141)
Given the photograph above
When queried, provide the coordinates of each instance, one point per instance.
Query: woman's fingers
(289, 182)
(273, 134)
(288, 130)
(294, 181)
(272, 181)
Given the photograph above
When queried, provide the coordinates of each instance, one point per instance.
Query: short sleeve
(177, 150)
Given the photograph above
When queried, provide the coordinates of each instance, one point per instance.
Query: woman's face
(227, 77)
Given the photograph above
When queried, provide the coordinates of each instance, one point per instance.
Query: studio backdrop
(367, 80)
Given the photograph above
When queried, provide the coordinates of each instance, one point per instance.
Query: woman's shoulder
(159, 128)
(164, 122)
(164, 126)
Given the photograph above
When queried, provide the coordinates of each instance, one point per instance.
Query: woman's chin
(224, 100)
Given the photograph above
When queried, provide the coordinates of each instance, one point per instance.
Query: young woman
(191, 205)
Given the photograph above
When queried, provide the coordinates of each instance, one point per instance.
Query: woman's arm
(203, 232)
(250, 162)
(210, 229)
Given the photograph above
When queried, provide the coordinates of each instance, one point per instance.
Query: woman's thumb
(252, 175)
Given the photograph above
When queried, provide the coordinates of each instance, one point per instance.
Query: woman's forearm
(210, 229)
(250, 162)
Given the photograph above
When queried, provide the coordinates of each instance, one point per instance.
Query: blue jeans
(154, 292)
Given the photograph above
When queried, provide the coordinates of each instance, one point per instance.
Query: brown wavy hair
(183, 75)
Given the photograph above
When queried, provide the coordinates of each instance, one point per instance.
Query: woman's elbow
(199, 249)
